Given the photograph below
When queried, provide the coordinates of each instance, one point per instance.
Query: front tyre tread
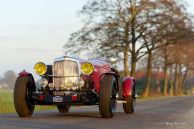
(128, 107)
(105, 105)
(23, 106)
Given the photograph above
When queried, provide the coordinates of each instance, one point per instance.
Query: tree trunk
(133, 54)
(176, 79)
(133, 66)
(171, 83)
(185, 80)
(165, 79)
(180, 90)
(133, 40)
(126, 62)
(165, 71)
(180, 80)
(171, 88)
(126, 55)
(149, 76)
(158, 87)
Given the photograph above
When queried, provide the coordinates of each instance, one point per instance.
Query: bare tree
(117, 26)
(129, 30)
(167, 29)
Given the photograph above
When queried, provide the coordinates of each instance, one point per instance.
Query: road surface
(166, 113)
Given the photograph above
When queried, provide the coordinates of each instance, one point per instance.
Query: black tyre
(108, 93)
(128, 107)
(23, 89)
(63, 108)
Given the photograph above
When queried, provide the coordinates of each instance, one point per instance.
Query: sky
(36, 30)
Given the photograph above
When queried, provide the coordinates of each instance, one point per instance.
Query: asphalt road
(168, 113)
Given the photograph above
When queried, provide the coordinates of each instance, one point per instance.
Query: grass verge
(7, 104)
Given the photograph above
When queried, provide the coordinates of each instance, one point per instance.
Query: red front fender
(127, 87)
(24, 73)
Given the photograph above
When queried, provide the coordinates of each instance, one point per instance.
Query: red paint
(100, 67)
(96, 77)
(74, 97)
(41, 97)
(127, 87)
(24, 73)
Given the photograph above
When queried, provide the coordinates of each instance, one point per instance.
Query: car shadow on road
(75, 115)
(80, 114)
(50, 115)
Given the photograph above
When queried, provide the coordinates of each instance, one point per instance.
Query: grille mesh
(64, 71)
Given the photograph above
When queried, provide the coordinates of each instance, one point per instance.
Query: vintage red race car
(74, 81)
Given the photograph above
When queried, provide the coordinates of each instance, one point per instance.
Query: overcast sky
(36, 30)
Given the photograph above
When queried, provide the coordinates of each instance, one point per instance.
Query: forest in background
(7, 81)
(152, 37)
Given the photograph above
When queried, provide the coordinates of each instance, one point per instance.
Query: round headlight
(87, 68)
(43, 82)
(40, 68)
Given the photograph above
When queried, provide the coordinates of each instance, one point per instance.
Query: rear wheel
(128, 107)
(108, 93)
(24, 87)
(63, 108)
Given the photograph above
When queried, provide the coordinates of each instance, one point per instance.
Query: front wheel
(63, 108)
(23, 89)
(108, 93)
(128, 107)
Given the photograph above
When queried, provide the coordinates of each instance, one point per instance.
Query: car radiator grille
(65, 71)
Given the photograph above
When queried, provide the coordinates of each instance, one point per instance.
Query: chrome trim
(99, 60)
(69, 59)
(58, 76)
(121, 101)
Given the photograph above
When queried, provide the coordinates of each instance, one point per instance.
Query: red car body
(102, 81)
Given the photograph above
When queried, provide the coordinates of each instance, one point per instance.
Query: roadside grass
(160, 97)
(7, 104)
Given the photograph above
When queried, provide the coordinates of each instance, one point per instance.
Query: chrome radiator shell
(65, 70)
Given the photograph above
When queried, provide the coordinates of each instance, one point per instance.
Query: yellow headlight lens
(40, 68)
(87, 68)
